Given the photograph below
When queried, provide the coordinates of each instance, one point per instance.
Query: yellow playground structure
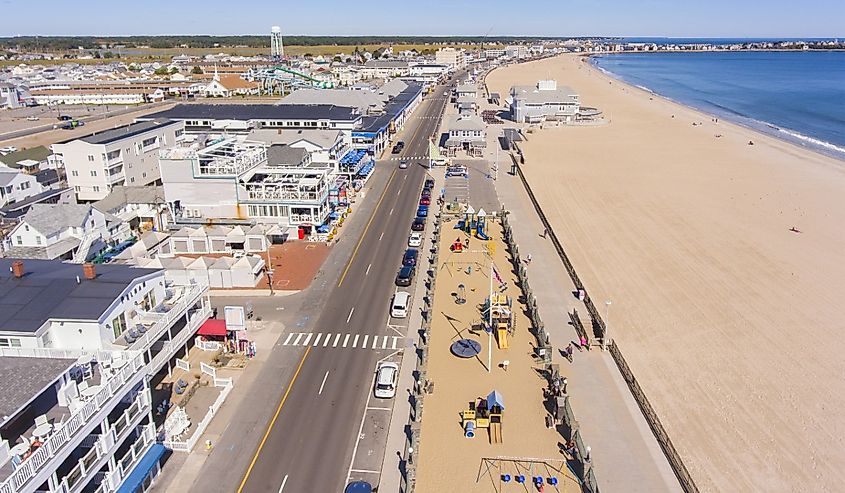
(498, 309)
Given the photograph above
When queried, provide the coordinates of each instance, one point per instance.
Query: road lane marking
(273, 421)
(287, 340)
(366, 228)
(364, 342)
(391, 212)
(323, 384)
(355, 342)
(328, 338)
(365, 471)
(317, 339)
(381, 236)
(394, 342)
(379, 409)
(284, 481)
(308, 338)
(336, 339)
(375, 340)
(298, 337)
(350, 314)
(360, 429)
(368, 270)
(384, 343)
(399, 192)
(346, 340)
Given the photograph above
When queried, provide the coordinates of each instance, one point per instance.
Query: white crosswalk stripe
(408, 158)
(348, 341)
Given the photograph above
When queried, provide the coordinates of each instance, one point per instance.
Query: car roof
(359, 487)
(401, 295)
(385, 373)
(411, 251)
(406, 270)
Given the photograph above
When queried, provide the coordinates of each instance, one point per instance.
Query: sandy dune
(731, 321)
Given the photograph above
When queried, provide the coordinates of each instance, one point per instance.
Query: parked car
(422, 211)
(418, 224)
(410, 257)
(386, 376)
(32, 118)
(359, 487)
(429, 183)
(425, 200)
(415, 240)
(425, 193)
(399, 306)
(405, 275)
(64, 118)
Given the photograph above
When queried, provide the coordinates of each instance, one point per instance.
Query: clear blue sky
(677, 18)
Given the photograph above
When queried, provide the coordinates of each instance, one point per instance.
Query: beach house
(543, 102)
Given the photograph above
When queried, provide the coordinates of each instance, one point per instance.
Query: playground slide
(502, 337)
(495, 432)
(479, 232)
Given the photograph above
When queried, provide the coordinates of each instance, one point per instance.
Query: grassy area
(128, 60)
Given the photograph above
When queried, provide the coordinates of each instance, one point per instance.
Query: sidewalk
(626, 456)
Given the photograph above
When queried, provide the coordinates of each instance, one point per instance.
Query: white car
(386, 376)
(32, 118)
(415, 240)
(8, 150)
(403, 164)
(399, 307)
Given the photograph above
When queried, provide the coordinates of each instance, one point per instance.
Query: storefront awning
(213, 327)
(142, 469)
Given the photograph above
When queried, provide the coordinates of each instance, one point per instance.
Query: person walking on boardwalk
(545, 233)
(584, 343)
(570, 350)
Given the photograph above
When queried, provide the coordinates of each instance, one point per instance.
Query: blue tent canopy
(495, 399)
(142, 469)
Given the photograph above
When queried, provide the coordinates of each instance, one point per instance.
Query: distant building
(451, 57)
(143, 208)
(13, 96)
(16, 186)
(384, 69)
(228, 85)
(545, 101)
(29, 160)
(468, 133)
(121, 156)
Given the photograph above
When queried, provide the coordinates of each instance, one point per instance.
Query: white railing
(128, 461)
(207, 345)
(183, 365)
(154, 333)
(208, 370)
(190, 443)
(169, 347)
(69, 430)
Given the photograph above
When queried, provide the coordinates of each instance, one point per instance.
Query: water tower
(277, 48)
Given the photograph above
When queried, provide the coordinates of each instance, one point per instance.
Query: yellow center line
(366, 228)
(273, 421)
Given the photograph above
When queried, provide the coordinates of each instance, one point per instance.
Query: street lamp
(606, 324)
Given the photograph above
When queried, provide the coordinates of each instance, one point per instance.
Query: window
(26, 227)
(96, 188)
(118, 325)
(90, 158)
(148, 142)
(74, 173)
(77, 188)
(10, 342)
(37, 240)
(93, 172)
(149, 301)
(20, 239)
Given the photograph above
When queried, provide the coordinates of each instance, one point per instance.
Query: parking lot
(477, 188)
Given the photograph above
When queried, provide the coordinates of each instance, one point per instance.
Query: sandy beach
(729, 320)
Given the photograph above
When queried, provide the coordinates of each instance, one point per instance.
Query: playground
(484, 421)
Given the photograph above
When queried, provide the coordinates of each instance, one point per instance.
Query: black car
(405, 275)
(418, 224)
(398, 147)
(410, 257)
(429, 183)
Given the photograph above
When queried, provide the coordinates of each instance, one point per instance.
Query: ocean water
(796, 96)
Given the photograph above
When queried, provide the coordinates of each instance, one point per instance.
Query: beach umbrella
(495, 399)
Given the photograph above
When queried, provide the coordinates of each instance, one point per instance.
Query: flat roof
(23, 379)
(257, 112)
(48, 290)
(130, 130)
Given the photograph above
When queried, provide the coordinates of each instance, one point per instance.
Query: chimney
(89, 271)
(17, 268)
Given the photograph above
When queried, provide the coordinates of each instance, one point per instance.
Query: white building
(454, 58)
(384, 69)
(466, 132)
(277, 46)
(545, 101)
(63, 231)
(80, 349)
(142, 208)
(121, 156)
(16, 186)
(231, 179)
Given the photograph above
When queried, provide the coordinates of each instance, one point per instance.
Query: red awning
(213, 327)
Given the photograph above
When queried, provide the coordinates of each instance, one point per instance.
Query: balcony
(156, 323)
(31, 473)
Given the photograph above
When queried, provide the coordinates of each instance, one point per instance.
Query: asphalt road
(310, 441)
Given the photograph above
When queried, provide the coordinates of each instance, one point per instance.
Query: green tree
(161, 71)
(174, 70)
(197, 70)
(109, 54)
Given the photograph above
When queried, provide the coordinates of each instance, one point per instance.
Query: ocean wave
(644, 88)
(809, 140)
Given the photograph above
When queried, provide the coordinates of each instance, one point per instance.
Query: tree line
(64, 43)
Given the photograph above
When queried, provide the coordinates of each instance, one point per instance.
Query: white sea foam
(811, 140)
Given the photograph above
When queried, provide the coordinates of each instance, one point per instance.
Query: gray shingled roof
(322, 138)
(363, 100)
(122, 195)
(6, 176)
(48, 290)
(49, 219)
(284, 154)
(22, 379)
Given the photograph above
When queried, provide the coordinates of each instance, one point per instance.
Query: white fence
(190, 443)
(183, 365)
(207, 345)
(208, 370)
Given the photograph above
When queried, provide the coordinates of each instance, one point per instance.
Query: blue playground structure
(474, 221)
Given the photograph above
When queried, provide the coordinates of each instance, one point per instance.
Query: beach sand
(731, 322)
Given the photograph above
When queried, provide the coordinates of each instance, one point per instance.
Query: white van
(399, 307)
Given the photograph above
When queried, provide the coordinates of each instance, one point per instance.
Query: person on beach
(528, 259)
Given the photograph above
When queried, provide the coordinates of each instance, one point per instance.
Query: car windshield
(384, 386)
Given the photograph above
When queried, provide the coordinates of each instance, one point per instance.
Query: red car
(425, 201)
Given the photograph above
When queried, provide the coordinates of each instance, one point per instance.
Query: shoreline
(762, 127)
(717, 257)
